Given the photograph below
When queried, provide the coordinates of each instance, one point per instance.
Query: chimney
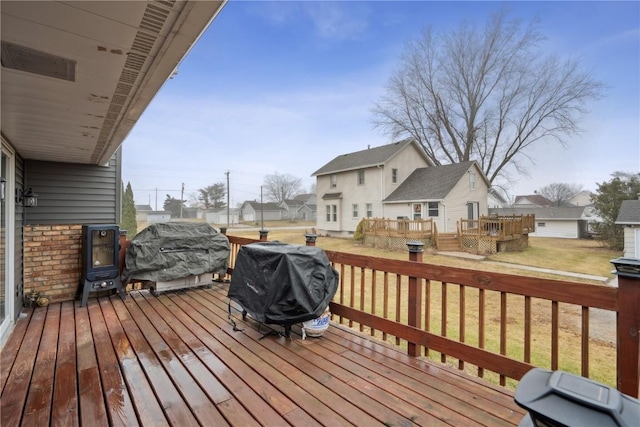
(368, 146)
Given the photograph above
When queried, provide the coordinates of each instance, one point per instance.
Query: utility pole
(181, 201)
(227, 173)
(156, 198)
(261, 210)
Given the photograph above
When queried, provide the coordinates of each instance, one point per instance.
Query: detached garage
(565, 222)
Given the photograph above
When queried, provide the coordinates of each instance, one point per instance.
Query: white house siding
(567, 229)
(455, 204)
(406, 161)
(377, 186)
(352, 193)
(631, 242)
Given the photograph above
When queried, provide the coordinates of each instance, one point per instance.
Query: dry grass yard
(580, 256)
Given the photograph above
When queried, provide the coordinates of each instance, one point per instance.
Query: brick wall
(52, 260)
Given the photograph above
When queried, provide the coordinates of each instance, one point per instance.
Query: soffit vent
(153, 21)
(37, 62)
(154, 18)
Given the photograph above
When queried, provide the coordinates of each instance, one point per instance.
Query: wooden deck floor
(177, 360)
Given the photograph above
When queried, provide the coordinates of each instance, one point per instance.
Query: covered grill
(176, 255)
(283, 284)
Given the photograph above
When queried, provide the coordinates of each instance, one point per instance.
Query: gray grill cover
(281, 283)
(174, 250)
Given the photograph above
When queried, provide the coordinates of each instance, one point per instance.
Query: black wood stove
(100, 260)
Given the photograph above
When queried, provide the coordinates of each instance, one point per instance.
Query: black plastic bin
(558, 399)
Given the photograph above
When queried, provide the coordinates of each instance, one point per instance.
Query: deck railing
(417, 229)
(498, 323)
(500, 227)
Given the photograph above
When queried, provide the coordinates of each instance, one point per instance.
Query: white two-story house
(352, 186)
(397, 181)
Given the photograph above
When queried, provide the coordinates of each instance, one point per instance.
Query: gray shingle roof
(365, 158)
(563, 213)
(629, 212)
(535, 199)
(430, 183)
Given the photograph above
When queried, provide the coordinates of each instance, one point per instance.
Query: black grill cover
(173, 250)
(281, 283)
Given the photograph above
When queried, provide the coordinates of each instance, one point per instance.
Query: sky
(285, 86)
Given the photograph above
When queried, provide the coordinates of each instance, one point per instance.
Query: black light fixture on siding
(3, 183)
(26, 197)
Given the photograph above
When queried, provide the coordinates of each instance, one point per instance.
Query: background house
(306, 212)
(562, 222)
(301, 207)
(222, 217)
(352, 186)
(629, 217)
(495, 199)
(442, 193)
(306, 198)
(583, 198)
(531, 201)
(75, 79)
(255, 211)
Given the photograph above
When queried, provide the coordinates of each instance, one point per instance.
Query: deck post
(310, 239)
(263, 235)
(628, 325)
(415, 296)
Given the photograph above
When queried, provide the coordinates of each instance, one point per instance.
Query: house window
(334, 180)
(361, 177)
(355, 211)
(472, 181)
(328, 213)
(542, 224)
(433, 209)
(335, 212)
(394, 176)
(369, 210)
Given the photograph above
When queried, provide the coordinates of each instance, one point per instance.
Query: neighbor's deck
(176, 359)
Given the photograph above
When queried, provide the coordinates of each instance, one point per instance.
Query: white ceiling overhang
(86, 70)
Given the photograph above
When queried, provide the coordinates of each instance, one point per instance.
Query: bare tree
(485, 94)
(560, 193)
(280, 187)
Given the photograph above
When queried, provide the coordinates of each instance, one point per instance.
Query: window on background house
(335, 212)
(328, 213)
(542, 224)
(355, 211)
(394, 176)
(334, 180)
(432, 209)
(369, 210)
(361, 177)
(472, 181)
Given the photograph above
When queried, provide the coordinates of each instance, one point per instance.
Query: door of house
(417, 211)
(637, 254)
(472, 210)
(7, 285)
